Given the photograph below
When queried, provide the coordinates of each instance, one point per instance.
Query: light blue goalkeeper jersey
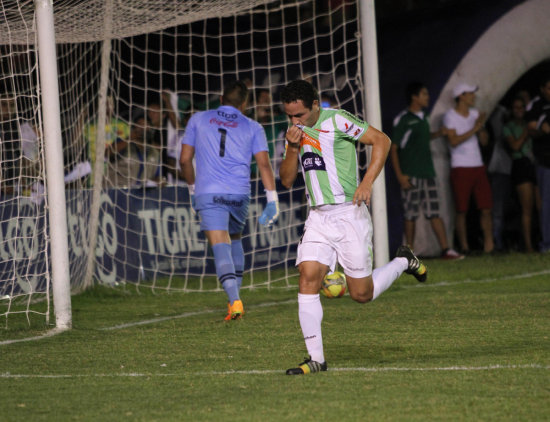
(225, 141)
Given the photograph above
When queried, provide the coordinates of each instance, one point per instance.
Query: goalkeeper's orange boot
(228, 316)
(235, 311)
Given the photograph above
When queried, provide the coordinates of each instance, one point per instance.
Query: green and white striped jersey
(329, 159)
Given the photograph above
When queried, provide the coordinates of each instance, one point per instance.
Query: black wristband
(294, 145)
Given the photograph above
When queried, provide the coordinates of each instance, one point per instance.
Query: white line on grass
(50, 333)
(263, 305)
(188, 314)
(145, 322)
(7, 375)
(485, 280)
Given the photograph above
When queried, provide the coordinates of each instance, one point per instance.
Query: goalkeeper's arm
(271, 211)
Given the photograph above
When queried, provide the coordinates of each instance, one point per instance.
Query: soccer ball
(334, 285)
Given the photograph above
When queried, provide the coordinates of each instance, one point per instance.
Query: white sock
(310, 313)
(383, 277)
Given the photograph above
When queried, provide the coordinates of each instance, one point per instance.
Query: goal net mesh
(130, 75)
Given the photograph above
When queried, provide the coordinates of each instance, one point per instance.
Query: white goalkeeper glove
(271, 211)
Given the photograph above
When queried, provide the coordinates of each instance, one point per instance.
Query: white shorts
(340, 233)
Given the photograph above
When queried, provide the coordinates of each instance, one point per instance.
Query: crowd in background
(142, 149)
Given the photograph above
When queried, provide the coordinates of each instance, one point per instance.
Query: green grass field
(470, 344)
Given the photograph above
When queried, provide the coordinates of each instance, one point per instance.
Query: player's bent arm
(289, 167)
(380, 148)
(186, 161)
(266, 172)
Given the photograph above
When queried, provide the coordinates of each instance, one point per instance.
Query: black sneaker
(416, 267)
(308, 366)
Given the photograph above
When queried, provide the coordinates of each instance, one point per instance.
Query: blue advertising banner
(23, 243)
(142, 233)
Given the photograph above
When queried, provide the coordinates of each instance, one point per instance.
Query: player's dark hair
(413, 88)
(235, 93)
(299, 90)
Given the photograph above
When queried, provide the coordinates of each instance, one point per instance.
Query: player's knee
(361, 297)
(309, 286)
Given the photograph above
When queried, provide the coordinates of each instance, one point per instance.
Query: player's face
(299, 114)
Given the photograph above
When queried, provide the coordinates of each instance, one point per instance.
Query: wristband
(191, 189)
(271, 195)
(293, 144)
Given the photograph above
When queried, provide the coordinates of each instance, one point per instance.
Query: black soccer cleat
(416, 267)
(308, 366)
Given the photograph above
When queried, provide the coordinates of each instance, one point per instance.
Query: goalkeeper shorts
(222, 211)
(342, 233)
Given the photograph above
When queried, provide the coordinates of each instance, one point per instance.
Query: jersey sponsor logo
(229, 202)
(357, 132)
(218, 122)
(321, 130)
(227, 116)
(312, 161)
(309, 140)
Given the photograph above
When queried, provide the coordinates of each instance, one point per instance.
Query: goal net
(130, 75)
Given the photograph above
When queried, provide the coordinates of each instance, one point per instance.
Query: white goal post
(129, 75)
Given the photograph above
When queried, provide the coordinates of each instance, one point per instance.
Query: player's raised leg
(365, 289)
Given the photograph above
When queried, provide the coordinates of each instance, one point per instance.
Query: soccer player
(224, 141)
(338, 226)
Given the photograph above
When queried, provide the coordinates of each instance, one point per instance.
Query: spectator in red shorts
(465, 132)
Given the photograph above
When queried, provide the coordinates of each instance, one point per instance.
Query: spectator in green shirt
(412, 161)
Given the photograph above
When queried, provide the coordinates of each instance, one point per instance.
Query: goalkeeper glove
(271, 211)
(192, 197)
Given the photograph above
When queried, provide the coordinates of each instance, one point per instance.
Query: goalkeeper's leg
(225, 270)
(237, 253)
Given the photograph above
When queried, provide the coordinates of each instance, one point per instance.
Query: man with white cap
(465, 132)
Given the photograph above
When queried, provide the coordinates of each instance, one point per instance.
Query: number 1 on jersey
(223, 133)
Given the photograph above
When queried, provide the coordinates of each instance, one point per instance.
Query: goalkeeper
(338, 226)
(223, 142)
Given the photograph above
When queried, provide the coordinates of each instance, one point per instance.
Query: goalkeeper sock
(310, 313)
(383, 277)
(225, 270)
(237, 253)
